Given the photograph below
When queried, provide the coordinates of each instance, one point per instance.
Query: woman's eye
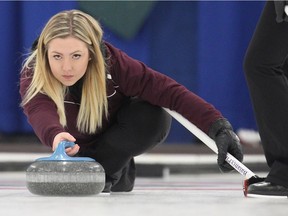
(76, 56)
(57, 57)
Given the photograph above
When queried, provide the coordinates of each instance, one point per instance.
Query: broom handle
(237, 165)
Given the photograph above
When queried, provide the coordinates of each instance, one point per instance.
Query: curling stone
(62, 175)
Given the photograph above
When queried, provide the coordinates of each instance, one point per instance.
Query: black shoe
(107, 188)
(267, 189)
(125, 182)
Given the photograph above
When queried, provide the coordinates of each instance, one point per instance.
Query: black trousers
(266, 74)
(139, 127)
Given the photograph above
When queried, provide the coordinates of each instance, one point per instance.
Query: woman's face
(68, 59)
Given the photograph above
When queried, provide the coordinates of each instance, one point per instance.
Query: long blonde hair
(94, 103)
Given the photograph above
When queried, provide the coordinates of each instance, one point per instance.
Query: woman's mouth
(67, 77)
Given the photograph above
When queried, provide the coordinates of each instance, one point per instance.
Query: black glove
(280, 11)
(226, 140)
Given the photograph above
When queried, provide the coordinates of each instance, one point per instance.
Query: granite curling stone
(62, 175)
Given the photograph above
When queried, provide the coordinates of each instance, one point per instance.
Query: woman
(77, 87)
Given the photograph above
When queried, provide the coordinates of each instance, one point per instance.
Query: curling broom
(250, 177)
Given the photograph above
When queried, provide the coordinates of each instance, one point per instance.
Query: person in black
(266, 71)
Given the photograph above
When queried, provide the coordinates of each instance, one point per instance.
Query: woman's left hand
(226, 140)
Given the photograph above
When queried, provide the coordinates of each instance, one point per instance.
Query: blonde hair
(94, 103)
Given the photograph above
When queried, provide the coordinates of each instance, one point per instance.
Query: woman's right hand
(71, 151)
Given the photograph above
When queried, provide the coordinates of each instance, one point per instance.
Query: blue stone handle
(60, 154)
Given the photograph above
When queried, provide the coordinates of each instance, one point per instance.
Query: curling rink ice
(179, 195)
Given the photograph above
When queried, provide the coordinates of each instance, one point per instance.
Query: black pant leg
(268, 86)
(139, 127)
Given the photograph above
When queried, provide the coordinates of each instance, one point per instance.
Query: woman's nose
(67, 65)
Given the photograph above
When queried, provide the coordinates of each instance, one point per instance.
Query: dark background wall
(200, 44)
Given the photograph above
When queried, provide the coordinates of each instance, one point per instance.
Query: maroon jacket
(126, 78)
